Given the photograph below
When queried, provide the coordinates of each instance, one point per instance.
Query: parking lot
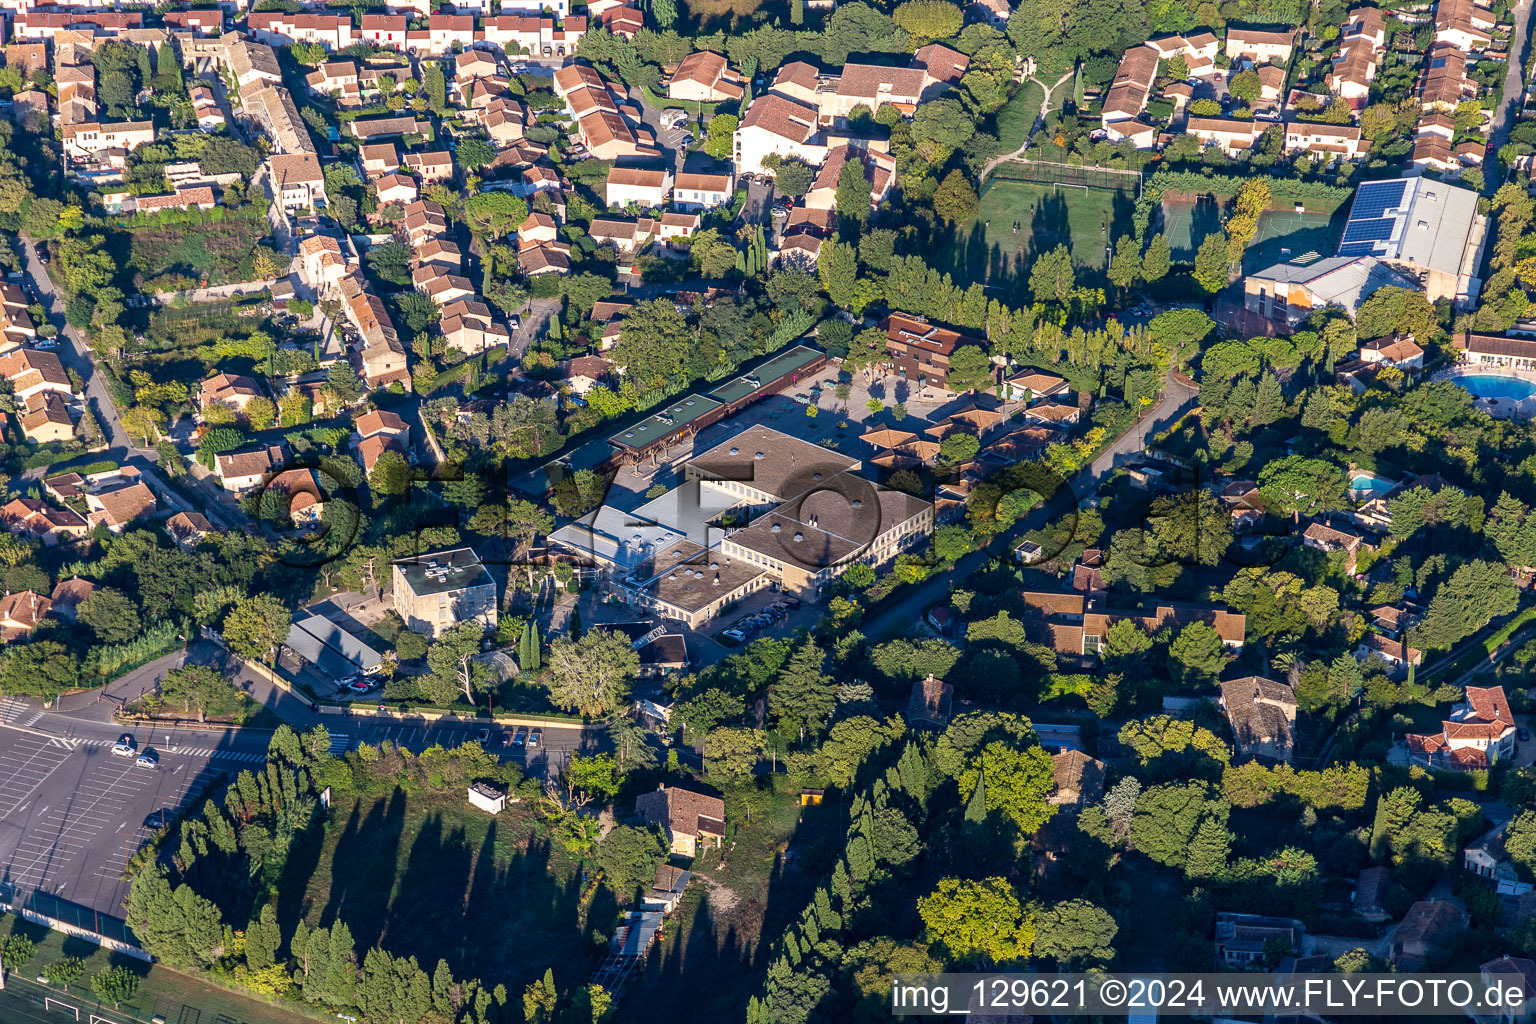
(71, 814)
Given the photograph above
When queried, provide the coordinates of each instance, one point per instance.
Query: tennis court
(1283, 235)
(1017, 220)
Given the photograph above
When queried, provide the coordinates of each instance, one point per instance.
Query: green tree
(1191, 528)
(110, 614)
(1211, 265)
(629, 855)
(115, 985)
(1018, 783)
(955, 200)
(970, 368)
(720, 138)
(1157, 260)
(255, 627)
(451, 659)
(1125, 268)
(802, 698)
(65, 972)
(793, 177)
(978, 921)
(853, 193)
(1075, 932)
(591, 675)
(1197, 655)
(1209, 850)
(1051, 278)
(1295, 483)
(926, 20)
(197, 688)
(731, 754)
(1476, 593)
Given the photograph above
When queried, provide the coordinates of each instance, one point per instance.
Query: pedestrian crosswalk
(15, 712)
(239, 756)
(340, 741)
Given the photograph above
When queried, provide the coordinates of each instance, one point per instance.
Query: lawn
(1018, 115)
(704, 10)
(190, 342)
(1018, 220)
(714, 949)
(162, 991)
(430, 877)
(1283, 235)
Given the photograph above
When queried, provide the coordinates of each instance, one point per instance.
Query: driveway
(666, 138)
(531, 325)
(759, 203)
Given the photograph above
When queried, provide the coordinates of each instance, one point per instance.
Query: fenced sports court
(1283, 235)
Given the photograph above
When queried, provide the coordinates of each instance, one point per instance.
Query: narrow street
(1514, 78)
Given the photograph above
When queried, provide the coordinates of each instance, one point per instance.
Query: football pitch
(1016, 221)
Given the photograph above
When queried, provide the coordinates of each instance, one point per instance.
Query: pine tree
(976, 809)
(841, 888)
(1269, 402)
(442, 986)
(340, 971)
(263, 937)
(1209, 850)
(319, 952)
(298, 947)
(539, 999)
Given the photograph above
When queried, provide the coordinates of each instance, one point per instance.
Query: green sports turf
(1283, 235)
(989, 250)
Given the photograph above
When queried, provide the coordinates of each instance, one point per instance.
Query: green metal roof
(781, 365)
(668, 420)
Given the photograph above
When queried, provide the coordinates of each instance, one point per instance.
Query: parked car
(504, 739)
(483, 734)
(734, 634)
(158, 819)
(779, 212)
(359, 686)
(347, 681)
(124, 747)
(535, 737)
(148, 759)
(521, 736)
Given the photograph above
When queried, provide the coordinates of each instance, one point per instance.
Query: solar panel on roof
(1368, 230)
(1357, 249)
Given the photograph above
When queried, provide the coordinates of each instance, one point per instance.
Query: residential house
(1231, 136)
(690, 819)
(705, 77)
(626, 234)
(1398, 656)
(20, 613)
(1479, 734)
(1511, 974)
(637, 186)
(373, 128)
(210, 116)
(1401, 352)
(989, 12)
(879, 171)
(188, 529)
(1261, 46)
(396, 188)
(118, 507)
(1321, 537)
(297, 181)
(1075, 623)
(44, 417)
(777, 125)
(920, 351)
(1033, 385)
(29, 517)
(1489, 861)
(434, 592)
(1198, 49)
(1370, 896)
(67, 595)
(1325, 141)
(1464, 24)
(430, 167)
(1131, 86)
(695, 192)
(32, 372)
(232, 390)
(930, 702)
(583, 373)
(1247, 940)
(243, 471)
(1078, 779)
(1262, 713)
(1428, 926)
(379, 159)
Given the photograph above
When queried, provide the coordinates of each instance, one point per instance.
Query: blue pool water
(1493, 385)
(1371, 483)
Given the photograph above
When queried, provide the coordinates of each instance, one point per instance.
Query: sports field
(1017, 220)
(1283, 235)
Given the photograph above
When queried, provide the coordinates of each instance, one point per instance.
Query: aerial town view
(765, 511)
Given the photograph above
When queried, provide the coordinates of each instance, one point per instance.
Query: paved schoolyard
(71, 814)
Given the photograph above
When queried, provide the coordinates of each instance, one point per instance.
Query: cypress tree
(319, 951)
(976, 809)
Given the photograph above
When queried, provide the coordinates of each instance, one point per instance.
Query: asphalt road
(75, 353)
(1514, 81)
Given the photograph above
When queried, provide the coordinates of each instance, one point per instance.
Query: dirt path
(1045, 108)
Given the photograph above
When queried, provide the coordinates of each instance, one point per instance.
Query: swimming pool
(1498, 386)
(1370, 483)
